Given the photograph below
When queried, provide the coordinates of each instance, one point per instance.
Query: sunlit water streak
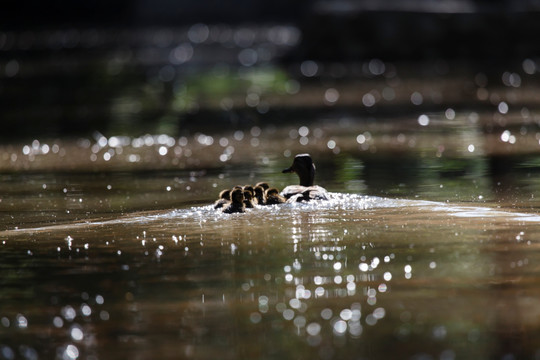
(339, 202)
(485, 212)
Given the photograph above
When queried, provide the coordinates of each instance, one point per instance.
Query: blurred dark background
(420, 30)
(72, 67)
(337, 30)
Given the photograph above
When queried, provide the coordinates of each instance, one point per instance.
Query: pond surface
(429, 247)
(111, 249)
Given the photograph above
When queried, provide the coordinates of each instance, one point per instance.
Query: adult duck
(304, 167)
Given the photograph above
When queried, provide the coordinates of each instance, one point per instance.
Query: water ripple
(339, 203)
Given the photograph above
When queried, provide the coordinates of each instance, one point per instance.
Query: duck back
(295, 193)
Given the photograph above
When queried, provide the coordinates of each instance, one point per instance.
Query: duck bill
(288, 170)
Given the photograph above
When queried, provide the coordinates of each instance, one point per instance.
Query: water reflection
(109, 249)
(309, 280)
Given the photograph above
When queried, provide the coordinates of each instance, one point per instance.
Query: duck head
(305, 169)
(271, 192)
(259, 194)
(248, 198)
(225, 194)
(262, 184)
(237, 196)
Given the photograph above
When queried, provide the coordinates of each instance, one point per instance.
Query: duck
(263, 184)
(237, 203)
(224, 199)
(260, 194)
(273, 197)
(249, 200)
(304, 167)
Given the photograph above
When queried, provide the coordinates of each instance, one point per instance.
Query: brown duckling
(237, 202)
(263, 184)
(252, 191)
(304, 167)
(224, 199)
(273, 197)
(259, 195)
(249, 200)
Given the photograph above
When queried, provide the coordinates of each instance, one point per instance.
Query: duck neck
(306, 178)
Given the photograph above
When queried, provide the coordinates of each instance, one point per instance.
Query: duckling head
(271, 192)
(273, 197)
(259, 194)
(237, 196)
(262, 184)
(248, 198)
(225, 194)
(303, 167)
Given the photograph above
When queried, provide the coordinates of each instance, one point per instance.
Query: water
(125, 263)
(110, 248)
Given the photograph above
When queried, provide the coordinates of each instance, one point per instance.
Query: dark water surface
(426, 249)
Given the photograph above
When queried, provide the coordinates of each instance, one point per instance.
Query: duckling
(249, 200)
(304, 167)
(262, 184)
(224, 198)
(273, 197)
(259, 195)
(237, 202)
